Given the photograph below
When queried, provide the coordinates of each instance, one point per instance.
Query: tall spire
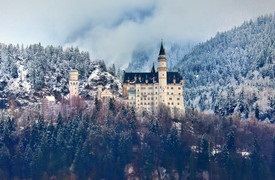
(162, 50)
(153, 68)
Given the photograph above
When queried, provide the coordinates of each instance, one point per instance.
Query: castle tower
(48, 107)
(162, 74)
(73, 83)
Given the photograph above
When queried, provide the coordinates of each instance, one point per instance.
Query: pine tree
(83, 160)
(5, 159)
(112, 70)
(112, 105)
(229, 155)
(273, 158)
(256, 160)
(203, 158)
(257, 111)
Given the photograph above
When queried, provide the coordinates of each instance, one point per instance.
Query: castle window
(178, 103)
(172, 88)
(144, 103)
(179, 88)
(168, 103)
(141, 99)
(156, 87)
(172, 103)
(140, 103)
(179, 93)
(156, 93)
(172, 93)
(156, 98)
(167, 87)
(167, 93)
(178, 99)
(152, 98)
(170, 98)
(144, 98)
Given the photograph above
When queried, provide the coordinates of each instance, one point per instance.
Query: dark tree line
(112, 142)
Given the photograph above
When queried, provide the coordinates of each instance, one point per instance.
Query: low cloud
(111, 30)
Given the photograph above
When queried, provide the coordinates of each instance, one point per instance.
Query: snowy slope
(29, 74)
(242, 59)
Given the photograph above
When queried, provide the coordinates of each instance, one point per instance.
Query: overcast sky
(112, 29)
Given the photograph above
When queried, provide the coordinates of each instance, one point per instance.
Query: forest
(28, 74)
(233, 72)
(112, 142)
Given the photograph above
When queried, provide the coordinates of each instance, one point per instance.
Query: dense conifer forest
(110, 142)
(233, 72)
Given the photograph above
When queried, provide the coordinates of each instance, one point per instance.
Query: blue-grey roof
(140, 78)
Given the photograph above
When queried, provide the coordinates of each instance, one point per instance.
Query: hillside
(234, 71)
(234, 56)
(31, 73)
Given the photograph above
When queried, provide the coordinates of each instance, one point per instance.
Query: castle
(145, 91)
(149, 90)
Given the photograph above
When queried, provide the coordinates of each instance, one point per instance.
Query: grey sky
(112, 29)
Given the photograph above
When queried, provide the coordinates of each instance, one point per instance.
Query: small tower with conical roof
(162, 74)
